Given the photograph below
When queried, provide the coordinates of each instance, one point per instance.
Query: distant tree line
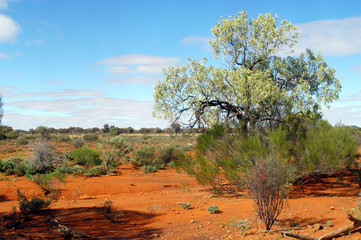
(7, 132)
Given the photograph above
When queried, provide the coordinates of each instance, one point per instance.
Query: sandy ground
(146, 206)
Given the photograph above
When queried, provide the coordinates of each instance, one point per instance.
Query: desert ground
(147, 206)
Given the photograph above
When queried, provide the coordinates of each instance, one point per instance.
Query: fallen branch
(66, 232)
(328, 236)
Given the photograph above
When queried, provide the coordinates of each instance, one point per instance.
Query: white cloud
(337, 37)
(357, 68)
(347, 115)
(72, 107)
(200, 42)
(57, 82)
(8, 29)
(4, 4)
(3, 55)
(83, 112)
(195, 40)
(137, 63)
(11, 55)
(134, 80)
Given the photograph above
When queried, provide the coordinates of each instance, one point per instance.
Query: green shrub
(62, 138)
(96, 171)
(21, 169)
(79, 171)
(90, 137)
(213, 209)
(86, 156)
(152, 167)
(185, 205)
(168, 153)
(113, 148)
(7, 167)
(14, 166)
(50, 182)
(328, 148)
(34, 205)
(22, 140)
(144, 156)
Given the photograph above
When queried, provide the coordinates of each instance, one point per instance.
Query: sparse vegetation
(32, 205)
(213, 209)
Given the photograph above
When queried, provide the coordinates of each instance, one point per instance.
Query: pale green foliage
(256, 86)
(112, 149)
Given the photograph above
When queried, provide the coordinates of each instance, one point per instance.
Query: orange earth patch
(147, 207)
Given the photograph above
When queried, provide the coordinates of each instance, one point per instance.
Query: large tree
(256, 83)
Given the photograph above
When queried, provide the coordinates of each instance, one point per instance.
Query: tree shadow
(342, 184)
(91, 222)
(3, 198)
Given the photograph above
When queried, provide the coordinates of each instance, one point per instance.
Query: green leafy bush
(22, 140)
(14, 166)
(144, 156)
(33, 205)
(96, 171)
(168, 153)
(213, 209)
(328, 148)
(90, 137)
(185, 205)
(152, 167)
(112, 149)
(50, 182)
(86, 156)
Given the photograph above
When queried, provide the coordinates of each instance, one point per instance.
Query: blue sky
(90, 62)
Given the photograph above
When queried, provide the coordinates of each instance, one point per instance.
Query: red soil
(148, 206)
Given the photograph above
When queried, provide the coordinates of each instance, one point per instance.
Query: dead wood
(66, 232)
(328, 236)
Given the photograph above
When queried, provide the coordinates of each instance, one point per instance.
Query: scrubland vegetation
(259, 127)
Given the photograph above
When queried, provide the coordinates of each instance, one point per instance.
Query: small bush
(21, 169)
(86, 156)
(112, 149)
(328, 148)
(7, 167)
(268, 181)
(168, 153)
(14, 166)
(144, 156)
(50, 182)
(77, 142)
(152, 167)
(62, 138)
(90, 137)
(34, 205)
(185, 205)
(22, 140)
(96, 171)
(213, 209)
(44, 158)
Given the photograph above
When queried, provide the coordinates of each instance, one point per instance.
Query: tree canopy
(256, 85)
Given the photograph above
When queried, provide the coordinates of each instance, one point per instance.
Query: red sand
(148, 206)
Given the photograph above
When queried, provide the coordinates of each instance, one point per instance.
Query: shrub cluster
(268, 160)
(151, 160)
